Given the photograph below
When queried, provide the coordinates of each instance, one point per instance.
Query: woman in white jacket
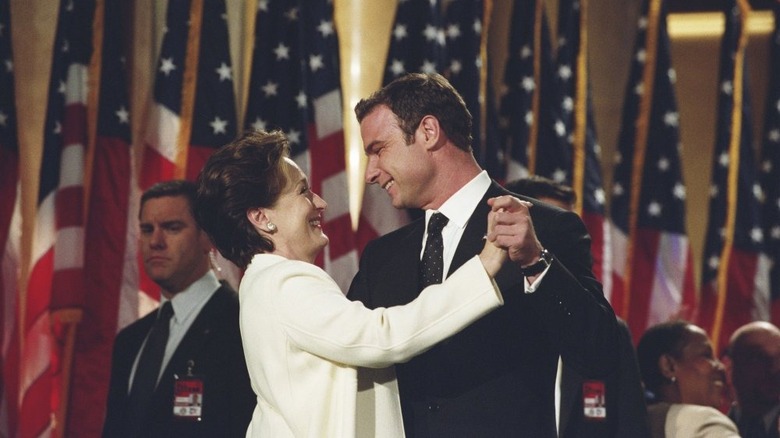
(303, 339)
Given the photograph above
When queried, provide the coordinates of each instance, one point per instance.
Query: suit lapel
(471, 242)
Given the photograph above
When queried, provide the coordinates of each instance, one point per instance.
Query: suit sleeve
(570, 299)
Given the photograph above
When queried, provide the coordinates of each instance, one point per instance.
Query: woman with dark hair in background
(684, 381)
(303, 339)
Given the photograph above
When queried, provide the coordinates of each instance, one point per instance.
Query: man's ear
(431, 132)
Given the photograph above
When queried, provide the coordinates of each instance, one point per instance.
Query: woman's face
(297, 215)
(700, 375)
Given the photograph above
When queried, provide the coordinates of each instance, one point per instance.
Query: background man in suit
(202, 358)
(626, 412)
(754, 351)
(495, 378)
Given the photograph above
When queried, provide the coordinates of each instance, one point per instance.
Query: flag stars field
(301, 99)
(259, 124)
(270, 88)
(679, 191)
(282, 52)
(225, 72)
(315, 63)
(123, 115)
(219, 126)
(167, 66)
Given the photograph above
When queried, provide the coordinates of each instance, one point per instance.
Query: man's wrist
(536, 268)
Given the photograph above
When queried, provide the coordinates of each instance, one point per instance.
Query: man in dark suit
(202, 386)
(754, 353)
(625, 412)
(496, 378)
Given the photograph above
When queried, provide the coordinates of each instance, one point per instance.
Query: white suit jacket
(696, 421)
(303, 341)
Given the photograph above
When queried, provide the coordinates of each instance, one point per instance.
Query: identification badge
(594, 400)
(188, 396)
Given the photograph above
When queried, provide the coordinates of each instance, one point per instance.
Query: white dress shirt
(458, 209)
(186, 304)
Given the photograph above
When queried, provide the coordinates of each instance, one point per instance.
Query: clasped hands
(510, 234)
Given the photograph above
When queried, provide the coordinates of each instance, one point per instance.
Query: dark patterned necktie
(432, 263)
(148, 370)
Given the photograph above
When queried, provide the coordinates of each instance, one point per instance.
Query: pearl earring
(271, 227)
(674, 379)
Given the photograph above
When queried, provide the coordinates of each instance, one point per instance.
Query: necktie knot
(165, 313)
(436, 223)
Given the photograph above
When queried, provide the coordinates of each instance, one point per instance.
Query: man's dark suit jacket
(496, 378)
(748, 430)
(625, 401)
(213, 343)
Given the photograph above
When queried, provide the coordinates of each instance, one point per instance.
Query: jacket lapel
(471, 242)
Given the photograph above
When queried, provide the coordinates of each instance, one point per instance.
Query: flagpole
(189, 84)
(733, 173)
(581, 110)
(640, 143)
(533, 135)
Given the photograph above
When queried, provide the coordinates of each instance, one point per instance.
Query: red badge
(188, 396)
(594, 400)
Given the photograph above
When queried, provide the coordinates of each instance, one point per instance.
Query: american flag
(105, 246)
(10, 229)
(534, 131)
(735, 270)
(193, 111)
(652, 257)
(418, 40)
(576, 110)
(466, 68)
(164, 154)
(213, 120)
(770, 169)
(295, 87)
(55, 288)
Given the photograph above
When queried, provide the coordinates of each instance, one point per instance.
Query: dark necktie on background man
(148, 370)
(432, 263)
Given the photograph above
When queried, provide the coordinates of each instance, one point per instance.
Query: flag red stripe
(196, 158)
(69, 206)
(643, 278)
(40, 282)
(104, 257)
(36, 407)
(9, 179)
(68, 288)
(74, 126)
(739, 298)
(10, 382)
(155, 168)
(339, 229)
(327, 155)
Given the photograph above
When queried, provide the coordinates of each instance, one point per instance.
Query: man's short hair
(174, 187)
(413, 96)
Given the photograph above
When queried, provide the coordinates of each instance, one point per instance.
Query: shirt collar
(460, 206)
(187, 300)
